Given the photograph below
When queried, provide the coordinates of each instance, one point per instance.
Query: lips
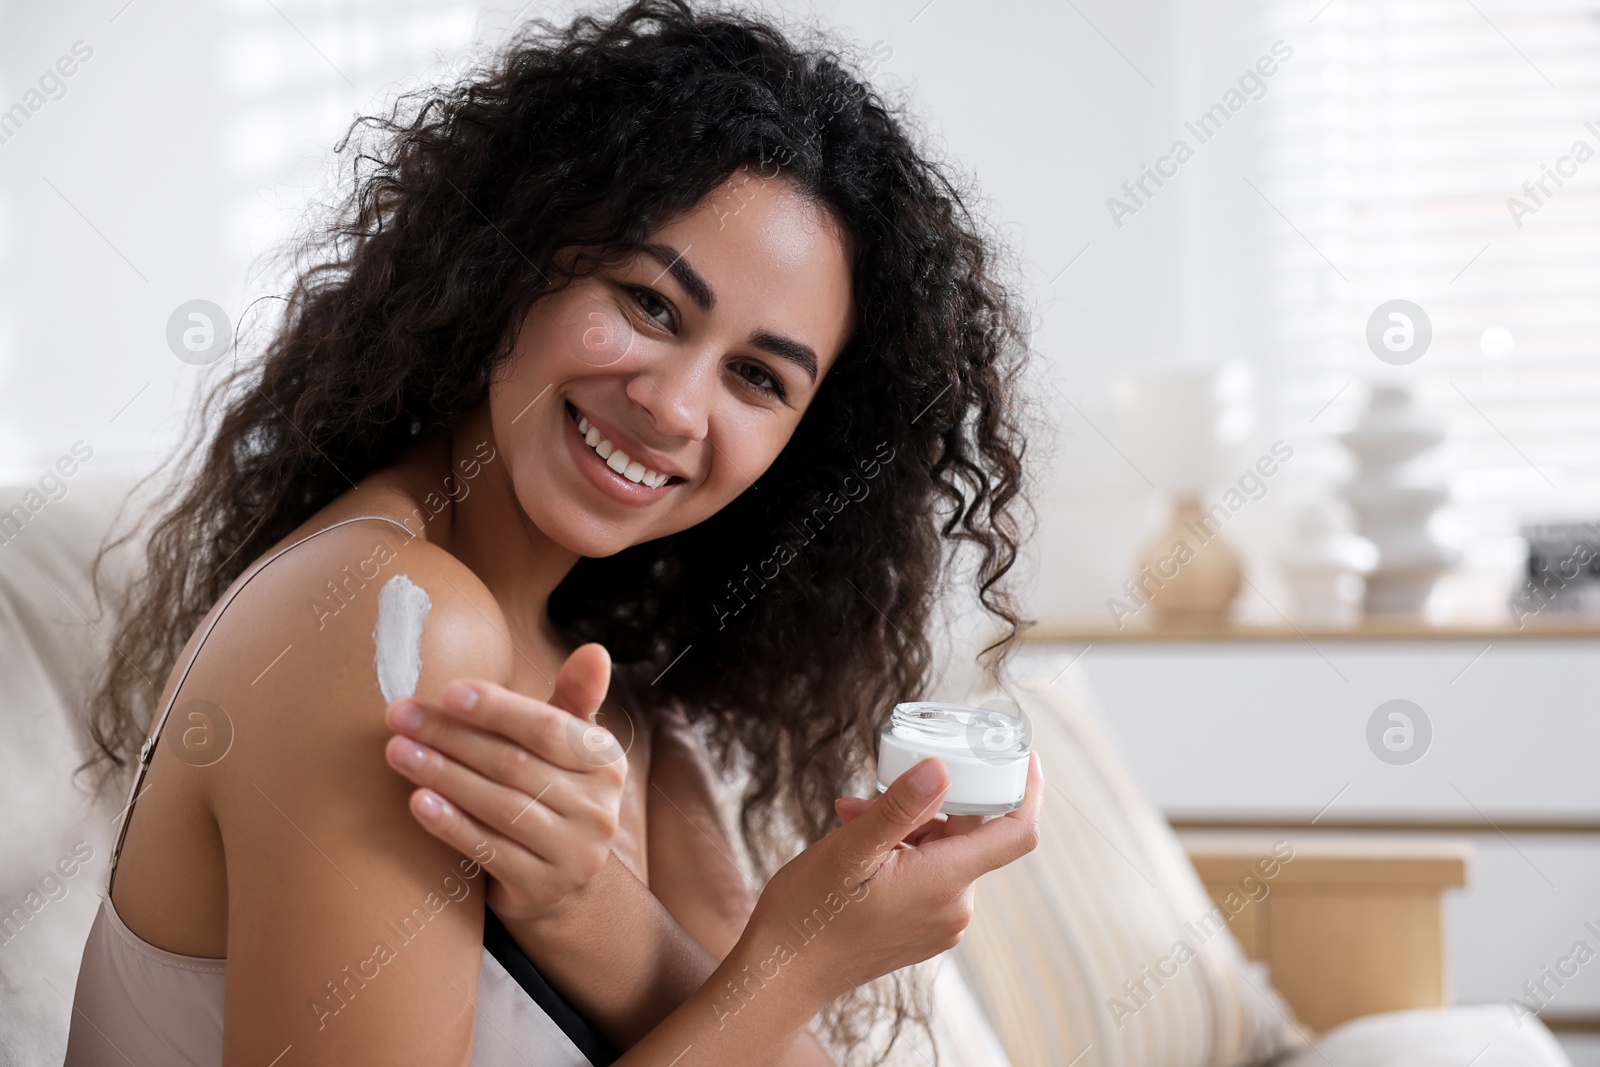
(617, 474)
(615, 458)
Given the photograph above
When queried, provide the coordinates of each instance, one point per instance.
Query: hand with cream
(539, 785)
(892, 887)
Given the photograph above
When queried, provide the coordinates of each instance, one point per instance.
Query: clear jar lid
(980, 732)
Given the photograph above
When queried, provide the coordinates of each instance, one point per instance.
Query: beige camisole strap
(148, 749)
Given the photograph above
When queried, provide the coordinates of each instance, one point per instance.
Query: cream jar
(985, 749)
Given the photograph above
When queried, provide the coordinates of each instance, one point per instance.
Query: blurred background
(1315, 297)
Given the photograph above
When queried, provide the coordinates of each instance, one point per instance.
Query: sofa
(1111, 944)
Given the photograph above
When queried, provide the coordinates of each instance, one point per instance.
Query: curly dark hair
(797, 616)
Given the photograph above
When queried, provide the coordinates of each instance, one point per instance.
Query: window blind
(1445, 152)
(295, 73)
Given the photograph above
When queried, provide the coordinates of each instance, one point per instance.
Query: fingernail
(923, 779)
(430, 806)
(409, 754)
(460, 696)
(407, 715)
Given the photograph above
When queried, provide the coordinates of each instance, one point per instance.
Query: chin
(574, 523)
(583, 535)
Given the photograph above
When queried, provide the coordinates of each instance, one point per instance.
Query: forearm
(750, 1012)
(616, 953)
(692, 869)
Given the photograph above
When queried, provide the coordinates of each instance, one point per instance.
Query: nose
(677, 392)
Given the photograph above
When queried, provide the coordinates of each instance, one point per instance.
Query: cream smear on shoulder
(402, 607)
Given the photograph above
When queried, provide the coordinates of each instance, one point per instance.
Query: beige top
(140, 1005)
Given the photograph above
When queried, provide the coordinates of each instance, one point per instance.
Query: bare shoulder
(336, 607)
(319, 639)
(328, 875)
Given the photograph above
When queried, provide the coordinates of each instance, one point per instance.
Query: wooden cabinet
(1348, 926)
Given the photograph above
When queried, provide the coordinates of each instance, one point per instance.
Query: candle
(986, 750)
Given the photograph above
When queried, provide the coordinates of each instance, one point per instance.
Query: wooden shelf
(1397, 629)
(1185, 823)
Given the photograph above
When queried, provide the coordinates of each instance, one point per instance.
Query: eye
(650, 302)
(760, 378)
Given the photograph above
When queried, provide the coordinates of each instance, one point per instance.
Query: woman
(656, 334)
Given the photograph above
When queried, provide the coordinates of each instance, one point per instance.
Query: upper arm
(353, 934)
(692, 868)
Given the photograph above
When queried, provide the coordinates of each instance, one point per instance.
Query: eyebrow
(787, 348)
(672, 261)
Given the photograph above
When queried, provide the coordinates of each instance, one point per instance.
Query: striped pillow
(1099, 948)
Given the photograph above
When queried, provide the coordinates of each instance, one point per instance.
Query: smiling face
(644, 398)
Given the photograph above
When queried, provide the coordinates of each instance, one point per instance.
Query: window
(295, 73)
(1446, 152)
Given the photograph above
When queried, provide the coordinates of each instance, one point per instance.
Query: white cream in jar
(985, 749)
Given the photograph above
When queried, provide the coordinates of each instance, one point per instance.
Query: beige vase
(1189, 574)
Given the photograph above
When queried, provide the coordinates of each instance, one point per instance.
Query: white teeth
(618, 460)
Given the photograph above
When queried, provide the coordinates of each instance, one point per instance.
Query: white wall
(177, 157)
(183, 150)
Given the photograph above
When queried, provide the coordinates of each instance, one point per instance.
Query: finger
(962, 824)
(911, 800)
(507, 861)
(583, 680)
(523, 816)
(847, 808)
(944, 826)
(546, 731)
(932, 830)
(490, 755)
(998, 841)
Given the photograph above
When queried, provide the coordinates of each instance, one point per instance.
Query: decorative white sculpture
(1324, 565)
(1393, 496)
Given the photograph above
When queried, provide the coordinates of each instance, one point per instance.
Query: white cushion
(1484, 1035)
(1055, 935)
(960, 1029)
(49, 650)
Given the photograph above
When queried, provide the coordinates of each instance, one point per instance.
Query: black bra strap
(497, 939)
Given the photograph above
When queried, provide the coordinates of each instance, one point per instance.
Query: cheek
(563, 336)
(595, 332)
(747, 443)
